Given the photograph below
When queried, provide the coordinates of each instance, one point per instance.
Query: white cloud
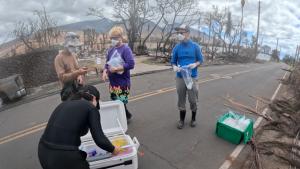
(66, 11)
(279, 18)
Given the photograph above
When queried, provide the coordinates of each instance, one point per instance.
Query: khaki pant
(182, 91)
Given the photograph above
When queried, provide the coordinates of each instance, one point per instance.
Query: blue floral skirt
(119, 93)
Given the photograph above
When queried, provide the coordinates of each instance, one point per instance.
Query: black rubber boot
(128, 114)
(193, 121)
(180, 124)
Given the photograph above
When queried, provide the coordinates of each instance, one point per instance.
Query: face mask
(114, 42)
(72, 49)
(180, 37)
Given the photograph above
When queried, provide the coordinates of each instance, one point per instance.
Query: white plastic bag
(116, 60)
(237, 122)
(186, 73)
(243, 123)
(98, 60)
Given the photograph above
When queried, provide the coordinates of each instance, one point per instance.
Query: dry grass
(276, 142)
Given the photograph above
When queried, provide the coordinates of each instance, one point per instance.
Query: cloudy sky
(279, 18)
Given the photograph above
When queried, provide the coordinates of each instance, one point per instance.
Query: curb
(93, 81)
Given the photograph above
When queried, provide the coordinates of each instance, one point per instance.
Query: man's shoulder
(87, 104)
(82, 102)
(59, 55)
(195, 44)
(177, 46)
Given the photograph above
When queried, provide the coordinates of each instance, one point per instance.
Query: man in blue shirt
(186, 54)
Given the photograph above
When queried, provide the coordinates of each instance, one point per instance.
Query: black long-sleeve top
(71, 120)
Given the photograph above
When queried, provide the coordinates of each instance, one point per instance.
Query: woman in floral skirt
(119, 62)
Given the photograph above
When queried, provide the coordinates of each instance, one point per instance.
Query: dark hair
(68, 90)
(82, 95)
(87, 92)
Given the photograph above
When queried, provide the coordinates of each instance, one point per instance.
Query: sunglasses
(114, 38)
(181, 33)
(73, 37)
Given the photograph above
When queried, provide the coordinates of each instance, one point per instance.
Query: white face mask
(180, 37)
(114, 42)
(72, 49)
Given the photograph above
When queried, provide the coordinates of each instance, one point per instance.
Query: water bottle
(92, 153)
(98, 60)
(243, 123)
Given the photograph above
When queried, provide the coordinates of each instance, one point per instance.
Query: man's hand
(104, 75)
(176, 68)
(116, 69)
(113, 69)
(193, 65)
(117, 150)
(80, 80)
(82, 71)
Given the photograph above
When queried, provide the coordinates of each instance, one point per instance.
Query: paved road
(153, 104)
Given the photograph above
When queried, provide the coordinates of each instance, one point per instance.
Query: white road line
(227, 163)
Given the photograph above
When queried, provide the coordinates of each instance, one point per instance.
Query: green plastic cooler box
(232, 134)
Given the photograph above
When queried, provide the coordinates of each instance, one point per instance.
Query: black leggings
(61, 159)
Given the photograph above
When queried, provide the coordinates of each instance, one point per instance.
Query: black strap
(129, 162)
(58, 146)
(69, 88)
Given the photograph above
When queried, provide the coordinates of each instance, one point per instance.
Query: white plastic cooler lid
(113, 119)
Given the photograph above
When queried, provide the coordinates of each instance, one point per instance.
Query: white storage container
(114, 125)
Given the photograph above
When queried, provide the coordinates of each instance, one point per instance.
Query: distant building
(263, 56)
(266, 49)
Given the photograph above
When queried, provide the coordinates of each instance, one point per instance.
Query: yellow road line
(22, 135)
(153, 94)
(23, 131)
(42, 126)
(149, 93)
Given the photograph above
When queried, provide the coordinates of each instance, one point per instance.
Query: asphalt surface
(153, 105)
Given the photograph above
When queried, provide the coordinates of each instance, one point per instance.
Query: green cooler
(234, 127)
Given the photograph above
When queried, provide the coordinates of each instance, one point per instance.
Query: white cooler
(114, 125)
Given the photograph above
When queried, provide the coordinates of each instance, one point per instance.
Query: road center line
(42, 126)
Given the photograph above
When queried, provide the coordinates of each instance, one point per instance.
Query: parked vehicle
(11, 88)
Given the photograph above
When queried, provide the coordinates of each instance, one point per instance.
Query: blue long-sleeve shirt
(185, 53)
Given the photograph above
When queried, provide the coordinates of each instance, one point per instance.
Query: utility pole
(199, 27)
(296, 55)
(257, 32)
(241, 31)
(209, 31)
(279, 53)
(277, 44)
(261, 41)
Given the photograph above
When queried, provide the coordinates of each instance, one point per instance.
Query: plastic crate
(231, 134)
